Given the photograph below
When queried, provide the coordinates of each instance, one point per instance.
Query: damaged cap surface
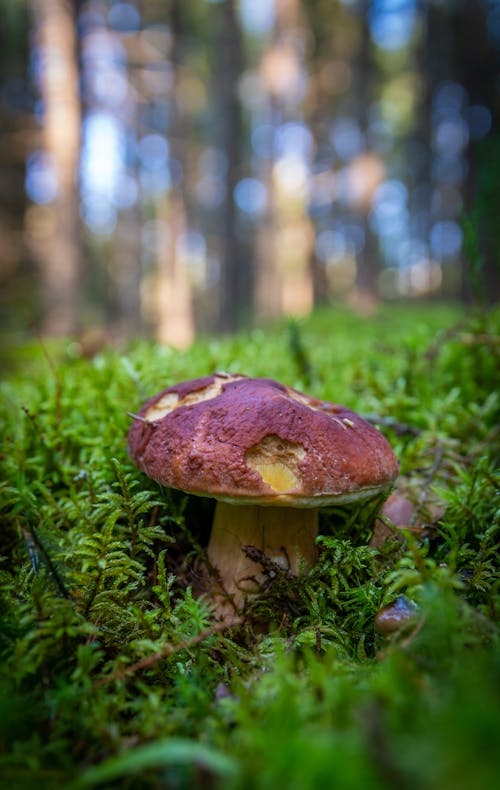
(255, 440)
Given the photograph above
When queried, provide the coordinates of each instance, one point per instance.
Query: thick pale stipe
(269, 529)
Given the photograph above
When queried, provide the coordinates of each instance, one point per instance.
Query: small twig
(154, 515)
(283, 621)
(438, 457)
(32, 550)
(402, 643)
(33, 418)
(35, 545)
(406, 642)
(434, 349)
(389, 422)
(479, 338)
(168, 650)
(467, 338)
(318, 645)
(270, 567)
(137, 417)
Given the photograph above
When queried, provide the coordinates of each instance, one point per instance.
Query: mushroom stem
(285, 535)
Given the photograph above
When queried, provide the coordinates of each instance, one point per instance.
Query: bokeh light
(392, 23)
(446, 239)
(41, 178)
(250, 195)
(257, 16)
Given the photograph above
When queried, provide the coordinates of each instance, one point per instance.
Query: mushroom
(270, 455)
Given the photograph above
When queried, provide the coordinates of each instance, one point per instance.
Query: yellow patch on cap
(276, 461)
(170, 400)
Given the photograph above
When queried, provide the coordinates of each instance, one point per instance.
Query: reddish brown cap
(253, 440)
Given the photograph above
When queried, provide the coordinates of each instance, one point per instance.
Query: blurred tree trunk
(60, 255)
(174, 294)
(267, 280)
(476, 67)
(17, 130)
(234, 280)
(368, 261)
(326, 25)
(459, 49)
(284, 281)
(125, 274)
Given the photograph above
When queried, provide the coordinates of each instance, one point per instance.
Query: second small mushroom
(270, 456)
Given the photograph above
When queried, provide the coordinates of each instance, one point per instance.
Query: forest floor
(114, 671)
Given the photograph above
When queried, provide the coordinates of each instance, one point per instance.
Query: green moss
(114, 672)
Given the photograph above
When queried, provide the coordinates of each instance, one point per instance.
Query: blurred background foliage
(170, 168)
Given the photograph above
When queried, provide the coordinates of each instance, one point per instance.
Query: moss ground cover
(114, 672)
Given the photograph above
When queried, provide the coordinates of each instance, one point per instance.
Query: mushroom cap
(253, 440)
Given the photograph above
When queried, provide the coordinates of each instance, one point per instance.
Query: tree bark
(476, 66)
(234, 277)
(284, 276)
(60, 256)
(176, 324)
(368, 262)
(17, 130)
